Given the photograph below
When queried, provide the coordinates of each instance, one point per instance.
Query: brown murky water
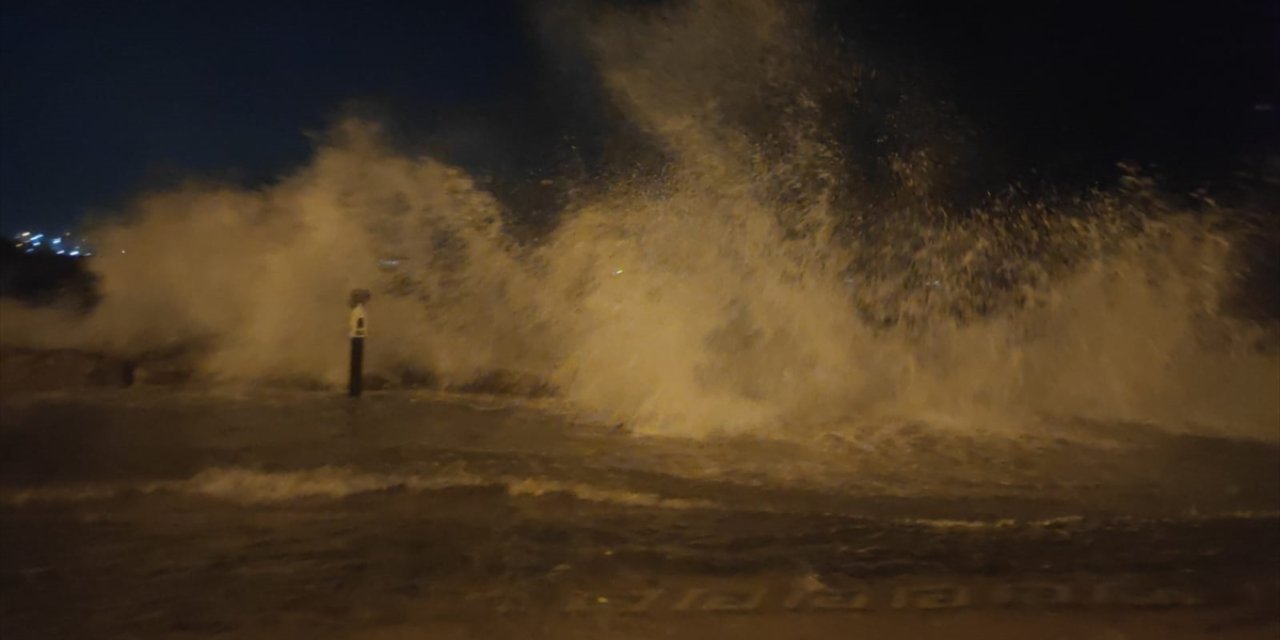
(300, 515)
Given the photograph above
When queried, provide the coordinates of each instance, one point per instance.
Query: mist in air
(752, 285)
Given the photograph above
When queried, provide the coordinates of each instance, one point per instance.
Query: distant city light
(36, 242)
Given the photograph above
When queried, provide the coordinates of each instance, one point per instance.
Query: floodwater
(795, 397)
(148, 514)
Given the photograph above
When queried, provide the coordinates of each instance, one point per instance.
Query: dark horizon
(100, 103)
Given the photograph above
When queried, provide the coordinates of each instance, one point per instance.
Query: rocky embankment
(46, 370)
(26, 371)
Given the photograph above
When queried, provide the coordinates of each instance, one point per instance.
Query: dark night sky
(100, 100)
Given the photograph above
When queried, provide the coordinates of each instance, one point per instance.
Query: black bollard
(355, 380)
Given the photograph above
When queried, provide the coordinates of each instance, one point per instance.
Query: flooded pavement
(141, 515)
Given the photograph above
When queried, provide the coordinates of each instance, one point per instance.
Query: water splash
(753, 285)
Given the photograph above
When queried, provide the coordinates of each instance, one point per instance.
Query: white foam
(252, 487)
(256, 487)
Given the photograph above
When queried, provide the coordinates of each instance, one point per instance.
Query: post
(355, 378)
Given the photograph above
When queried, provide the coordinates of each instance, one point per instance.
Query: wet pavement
(148, 515)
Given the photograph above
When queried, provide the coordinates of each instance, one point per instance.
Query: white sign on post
(358, 327)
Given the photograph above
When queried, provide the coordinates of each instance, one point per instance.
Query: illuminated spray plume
(749, 288)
